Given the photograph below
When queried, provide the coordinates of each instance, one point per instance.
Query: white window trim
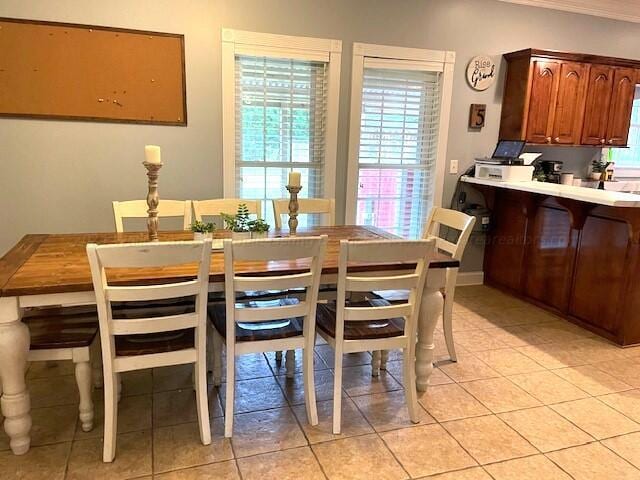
(278, 46)
(410, 59)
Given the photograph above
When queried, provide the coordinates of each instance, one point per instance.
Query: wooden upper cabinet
(624, 87)
(544, 88)
(569, 105)
(567, 98)
(596, 115)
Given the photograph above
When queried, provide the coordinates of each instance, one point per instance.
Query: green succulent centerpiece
(242, 226)
(202, 230)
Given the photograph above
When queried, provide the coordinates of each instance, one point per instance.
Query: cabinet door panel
(544, 88)
(596, 113)
(599, 278)
(569, 107)
(550, 256)
(624, 87)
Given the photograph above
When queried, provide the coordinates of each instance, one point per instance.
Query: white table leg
(430, 312)
(14, 349)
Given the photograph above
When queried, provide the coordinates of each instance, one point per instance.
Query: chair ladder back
(452, 219)
(228, 206)
(144, 255)
(324, 206)
(138, 209)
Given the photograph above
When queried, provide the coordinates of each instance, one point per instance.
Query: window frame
(402, 58)
(239, 42)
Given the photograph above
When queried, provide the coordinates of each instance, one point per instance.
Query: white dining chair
(228, 206)
(67, 333)
(138, 209)
(324, 206)
(375, 324)
(167, 339)
(461, 223)
(266, 325)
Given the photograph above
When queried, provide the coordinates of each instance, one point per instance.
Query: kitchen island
(572, 250)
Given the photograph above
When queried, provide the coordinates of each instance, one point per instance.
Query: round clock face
(481, 72)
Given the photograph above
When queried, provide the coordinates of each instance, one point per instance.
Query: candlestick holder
(153, 172)
(293, 208)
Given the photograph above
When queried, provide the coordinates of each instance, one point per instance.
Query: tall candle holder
(153, 172)
(293, 208)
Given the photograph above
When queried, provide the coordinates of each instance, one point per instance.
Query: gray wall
(61, 176)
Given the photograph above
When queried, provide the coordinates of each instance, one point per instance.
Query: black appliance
(548, 171)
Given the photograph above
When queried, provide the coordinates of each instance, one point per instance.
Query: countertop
(583, 194)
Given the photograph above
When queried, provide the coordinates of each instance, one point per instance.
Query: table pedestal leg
(430, 313)
(15, 402)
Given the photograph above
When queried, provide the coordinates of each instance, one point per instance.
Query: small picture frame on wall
(477, 114)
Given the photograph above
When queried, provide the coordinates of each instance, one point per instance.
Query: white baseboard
(470, 278)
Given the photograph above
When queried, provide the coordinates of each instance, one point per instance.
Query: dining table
(53, 269)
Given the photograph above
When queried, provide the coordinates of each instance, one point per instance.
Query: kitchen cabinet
(568, 99)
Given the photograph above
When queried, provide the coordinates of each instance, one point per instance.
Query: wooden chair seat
(58, 327)
(257, 331)
(359, 330)
(148, 343)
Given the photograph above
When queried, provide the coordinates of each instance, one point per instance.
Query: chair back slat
(369, 284)
(285, 282)
(275, 249)
(228, 206)
(154, 292)
(451, 219)
(139, 326)
(139, 208)
(324, 206)
(146, 255)
(272, 313)
(376, 251)
(377, 313)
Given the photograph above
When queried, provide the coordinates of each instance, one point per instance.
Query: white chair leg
(290, 363)
(337, 391)
(375, 363)
(217, 359)
(83, 378)
(447, 314)
(309, 384)
(110, 417)
(384, 357)
(409, 380)
(279, 357)
(202, 401)
(96, 363)
(119, 386)
(230, 392)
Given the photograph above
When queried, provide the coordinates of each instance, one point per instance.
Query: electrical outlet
(453, 167)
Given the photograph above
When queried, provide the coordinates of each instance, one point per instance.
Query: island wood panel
(599, 279)
(84, 72)
(59, 264)
(550, 257)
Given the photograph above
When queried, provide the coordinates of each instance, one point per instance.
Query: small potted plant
(597, 167)
(259, 228)
(202, 230)
(238, 224)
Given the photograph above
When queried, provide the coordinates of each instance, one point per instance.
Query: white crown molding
(626, 10)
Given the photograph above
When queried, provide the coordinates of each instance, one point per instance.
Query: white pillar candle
(294, 179)
(152, 153)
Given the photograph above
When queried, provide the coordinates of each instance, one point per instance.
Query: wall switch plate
(453, 166)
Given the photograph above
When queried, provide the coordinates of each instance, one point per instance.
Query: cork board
(82, 72)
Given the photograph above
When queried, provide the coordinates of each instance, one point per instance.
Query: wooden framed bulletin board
(80, 72)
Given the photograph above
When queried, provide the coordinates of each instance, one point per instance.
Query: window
(399, 120)
(280, 115)
(628, 159)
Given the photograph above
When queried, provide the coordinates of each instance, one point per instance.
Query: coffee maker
(548, 171)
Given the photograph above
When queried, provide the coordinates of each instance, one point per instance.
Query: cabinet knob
(548, 139)
(610, 141)
(557, 139)
(602, 141)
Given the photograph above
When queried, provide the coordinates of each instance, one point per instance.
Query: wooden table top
(57, 263)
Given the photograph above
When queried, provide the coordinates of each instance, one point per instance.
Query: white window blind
(281, 108)
(629, 158)
(400, 114)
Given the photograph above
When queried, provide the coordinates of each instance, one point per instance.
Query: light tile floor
(531, 397)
